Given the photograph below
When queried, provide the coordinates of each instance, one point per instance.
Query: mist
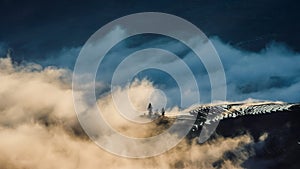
(249, 74)
(39, 128)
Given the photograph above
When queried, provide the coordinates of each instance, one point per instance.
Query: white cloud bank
(39, 129)
(270, 74)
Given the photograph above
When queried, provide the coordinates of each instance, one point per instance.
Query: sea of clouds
(39, 127)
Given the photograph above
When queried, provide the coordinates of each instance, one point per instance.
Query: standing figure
(149, 110)
(163, 111)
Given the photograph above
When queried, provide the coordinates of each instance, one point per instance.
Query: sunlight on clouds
(39, 129)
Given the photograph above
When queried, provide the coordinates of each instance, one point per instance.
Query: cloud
(64, 58)
(270, 74)
(36, 106)
(39, 128)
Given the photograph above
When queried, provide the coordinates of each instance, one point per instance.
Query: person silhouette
(150, 109)
(163, 111)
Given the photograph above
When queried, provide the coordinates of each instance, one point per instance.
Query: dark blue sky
(244, 33)
(36, 28)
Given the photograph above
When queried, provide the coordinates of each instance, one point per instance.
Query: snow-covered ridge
(207, 116)
(211, 113)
